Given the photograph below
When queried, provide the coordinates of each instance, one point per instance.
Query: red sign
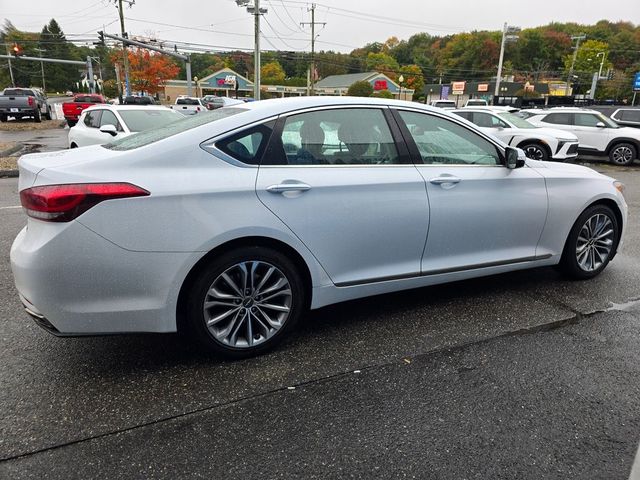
(483, 87)
(380, 85)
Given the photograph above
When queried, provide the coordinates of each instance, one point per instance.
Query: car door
(337, 178)
(590, 135)
(481, 213)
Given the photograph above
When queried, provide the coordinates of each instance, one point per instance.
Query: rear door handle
(443, 180)
(288, 187)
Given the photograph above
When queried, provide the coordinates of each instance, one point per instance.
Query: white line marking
(11, 207)
(635, 469)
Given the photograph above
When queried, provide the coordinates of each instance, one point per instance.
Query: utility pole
(124, 45)
(313, 23)
(578, 39)
(13, 82)
(255, 10)
(44, 86)
(505, 38)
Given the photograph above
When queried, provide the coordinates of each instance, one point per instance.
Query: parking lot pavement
(524, 375)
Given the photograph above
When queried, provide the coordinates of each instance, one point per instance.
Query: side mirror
(513, 158)
(601, 125)
(110, 129)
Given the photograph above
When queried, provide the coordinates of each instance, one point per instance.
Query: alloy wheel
(247, 304)
(622, 155)
(595, 242)
(534, 152)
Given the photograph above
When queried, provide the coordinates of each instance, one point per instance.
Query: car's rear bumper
(74, 282)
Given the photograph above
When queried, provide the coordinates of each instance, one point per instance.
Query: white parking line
(11, 207)
(635, 469)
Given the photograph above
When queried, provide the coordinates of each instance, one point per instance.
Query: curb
(8, 173)
(11, 150)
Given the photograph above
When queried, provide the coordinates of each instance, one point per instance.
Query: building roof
(344, 81)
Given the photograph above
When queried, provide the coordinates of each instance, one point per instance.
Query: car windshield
(516, 120)
(87, 99)
(150, 136)
(141, 120)
(607, 121)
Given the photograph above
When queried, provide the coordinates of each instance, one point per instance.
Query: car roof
(108, 106)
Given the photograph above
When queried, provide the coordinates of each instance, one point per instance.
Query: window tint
(558, 118)
(629, 115)
(487, 120)
(92, 119)
(108, 118)
(465, 115)
(355, 136)
(247, 146)
(441, 141)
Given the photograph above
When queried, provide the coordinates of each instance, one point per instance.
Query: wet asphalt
(524, 375)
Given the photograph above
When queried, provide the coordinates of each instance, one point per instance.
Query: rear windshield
(141, 120)
(187, 101)
(445, 104)
(18, 92)
(88, 99)
(151, 136)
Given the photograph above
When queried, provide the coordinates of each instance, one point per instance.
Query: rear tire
(48, 115)
(37, 116)
(73, 145)
(535, 151)
(3, 118)
(591, 244)
(71, 123)
(244, 302)
(623, 154)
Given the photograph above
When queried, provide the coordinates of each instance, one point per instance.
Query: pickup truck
(73, 109)
(24, 102)
(189, 105)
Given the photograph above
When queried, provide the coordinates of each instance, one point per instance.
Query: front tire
(623, 154)
(591, 244)
(244, 302)
(535, 151)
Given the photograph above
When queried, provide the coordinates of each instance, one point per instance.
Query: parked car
(627, 117)
(189, 105)
(446, 104)
(139, 100)
(476, 102)
(538, 143)
(231, 224)
(597, 133)
(212, 102)
(73, 109)
(101, 123)
(24, 102)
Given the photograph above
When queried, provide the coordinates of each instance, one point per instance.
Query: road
(524, 375)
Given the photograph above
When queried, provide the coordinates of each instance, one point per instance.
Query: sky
(221, 24)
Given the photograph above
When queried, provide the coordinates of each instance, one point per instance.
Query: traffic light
(100, 39)
(17, 51)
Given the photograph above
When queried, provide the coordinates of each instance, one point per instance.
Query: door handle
(443, 180)
(288, 187)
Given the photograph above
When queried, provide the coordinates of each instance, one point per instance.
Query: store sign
(483, 87)
(636, 82)
(380, 85)
(458, 88)
(230, 80)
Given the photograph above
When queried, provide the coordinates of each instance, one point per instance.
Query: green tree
(383, 63)
(272, 72)
(59, 77)
(360, 89)
(383, 94)
(589, 58)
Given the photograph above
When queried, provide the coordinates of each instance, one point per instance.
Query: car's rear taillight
(31, 101)
(63, 203)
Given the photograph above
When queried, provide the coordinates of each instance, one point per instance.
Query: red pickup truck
(72, 110)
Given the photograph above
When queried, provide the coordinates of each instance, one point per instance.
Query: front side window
(586, 120)
(487, 120)
(350, 136)
(442, 141)
(108, 118)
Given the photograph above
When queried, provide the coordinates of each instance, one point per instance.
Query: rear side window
(629, 115)
(558, 118)
(248, 145)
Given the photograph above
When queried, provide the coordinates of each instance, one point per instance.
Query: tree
(587, 60)
(413, 78)
(59, 77)
(272, 72)
(383, 94)
(149, 71)
(360, 89)
(383, 63)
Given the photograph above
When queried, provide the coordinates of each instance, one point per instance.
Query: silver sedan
(232, 224)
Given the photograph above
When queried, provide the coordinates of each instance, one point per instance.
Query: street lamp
(400, 80)
(507, 36)
(255, 10)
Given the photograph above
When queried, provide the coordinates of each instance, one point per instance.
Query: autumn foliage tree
(148, 71)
